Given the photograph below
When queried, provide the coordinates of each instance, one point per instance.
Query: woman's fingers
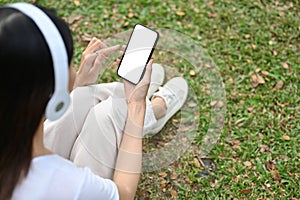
(97, 64)
(107, 51)
(139, 92)
(121, 53)
(100, 57)
(147, 76)
(89, 62)
(102, 45)
(118, 61)
(91, 42)
(95, 45)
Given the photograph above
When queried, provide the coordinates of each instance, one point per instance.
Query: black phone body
(137, 53)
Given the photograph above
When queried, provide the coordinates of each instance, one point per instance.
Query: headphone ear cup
(57, 105)
(60, 100)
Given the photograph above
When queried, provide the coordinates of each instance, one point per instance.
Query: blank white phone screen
(137, 53)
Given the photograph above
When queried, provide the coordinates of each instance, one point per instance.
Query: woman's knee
(112, 111)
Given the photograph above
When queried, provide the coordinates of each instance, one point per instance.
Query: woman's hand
(91, 62)
(137, 93)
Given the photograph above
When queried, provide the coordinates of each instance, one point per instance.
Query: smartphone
(137, 53)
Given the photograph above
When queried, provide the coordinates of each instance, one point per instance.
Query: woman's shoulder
(58, 178)
(51, 162)
(50, 176)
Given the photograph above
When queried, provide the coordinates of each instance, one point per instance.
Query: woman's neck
(38, 147)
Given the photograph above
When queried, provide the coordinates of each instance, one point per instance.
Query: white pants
(90, 132)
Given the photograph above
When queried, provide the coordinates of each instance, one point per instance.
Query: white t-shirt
(53, 177)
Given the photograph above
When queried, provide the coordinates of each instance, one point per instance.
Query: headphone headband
(60, 99)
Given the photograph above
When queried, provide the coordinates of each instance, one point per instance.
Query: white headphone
(60, 99)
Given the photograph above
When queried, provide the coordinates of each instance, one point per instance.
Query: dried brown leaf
(220, 104)
(245, 191)
(278, 85)
(142, 192)
(86, 37)
(247, 36)
(276, 175)
(213, 103)
(282, 104)
(260, 79)
(76, 2)
(237, 147)
(250, 109)
(173, 193)
(264, 73)
(264, 148)
(257, 70)
(236, 142)
(254, 84)
(210, 3)
(163, 184)
(284, 65)
(180, 13)
(212, 14)
(239, 121)
(247, 163)
(192, 73)
(270, 42)
(286, 137)
(73, 18)
(175, 120)
(281, 13)
(254, 80)
(174, 176)
(270, 166)
(196, 163)
(192, 104)
(230, 121)
(163, 174)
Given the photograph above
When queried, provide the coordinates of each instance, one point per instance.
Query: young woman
(94, 150)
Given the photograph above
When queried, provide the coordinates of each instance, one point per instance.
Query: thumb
(147, 76)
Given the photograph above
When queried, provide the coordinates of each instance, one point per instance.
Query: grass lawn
(256, 45)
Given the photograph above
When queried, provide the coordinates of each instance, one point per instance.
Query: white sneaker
(157, 79)
(174, 93)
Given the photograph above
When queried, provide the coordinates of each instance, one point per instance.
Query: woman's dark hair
(26, 83)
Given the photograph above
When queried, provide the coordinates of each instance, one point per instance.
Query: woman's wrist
(136, 108)
(135, 119)
(79, 81)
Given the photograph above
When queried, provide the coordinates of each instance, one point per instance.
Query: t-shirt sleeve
(95, 187)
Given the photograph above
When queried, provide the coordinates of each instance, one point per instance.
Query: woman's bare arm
(129, 160)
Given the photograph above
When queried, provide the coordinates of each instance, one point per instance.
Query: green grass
(243, 38)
